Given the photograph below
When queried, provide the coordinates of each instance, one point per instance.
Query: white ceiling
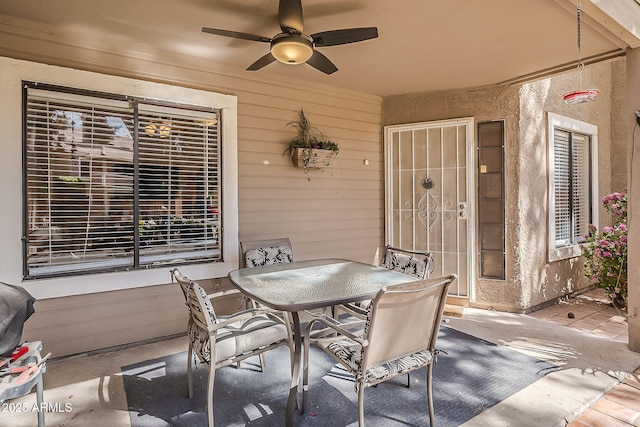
(423, 45)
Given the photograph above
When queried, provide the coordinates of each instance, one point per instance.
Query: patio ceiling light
(292, 49)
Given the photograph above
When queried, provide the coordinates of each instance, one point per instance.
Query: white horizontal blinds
(179, 184)
(562, 187)
(580, 192)
(572, 186)
(72, 145)
(81, 195)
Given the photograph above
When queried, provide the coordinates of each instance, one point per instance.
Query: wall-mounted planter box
(312, 157)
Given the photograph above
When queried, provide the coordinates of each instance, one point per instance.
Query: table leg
(292, 402)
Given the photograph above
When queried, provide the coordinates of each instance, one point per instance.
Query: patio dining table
(306, 285)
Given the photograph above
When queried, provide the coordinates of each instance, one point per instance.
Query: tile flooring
(591, 312)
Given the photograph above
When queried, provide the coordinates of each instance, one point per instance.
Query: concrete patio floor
(595, 384)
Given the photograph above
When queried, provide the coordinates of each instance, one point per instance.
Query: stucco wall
(483, 104)
(542, 280)
(530, 279)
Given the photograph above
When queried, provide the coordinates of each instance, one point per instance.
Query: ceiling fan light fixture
(292, 49)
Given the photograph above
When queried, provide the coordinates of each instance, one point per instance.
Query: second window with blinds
(118, 183)
(573, 191)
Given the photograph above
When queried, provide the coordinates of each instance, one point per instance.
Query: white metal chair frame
(409, 315)
(209, 330)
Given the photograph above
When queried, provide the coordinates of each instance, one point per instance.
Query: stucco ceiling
(423, 45)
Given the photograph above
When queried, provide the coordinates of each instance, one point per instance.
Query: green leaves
(309, 136)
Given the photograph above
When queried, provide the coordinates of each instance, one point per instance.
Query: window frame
(39, 99)
(567, 124)
(13, 73)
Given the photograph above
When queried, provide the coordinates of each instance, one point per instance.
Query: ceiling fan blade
(347, 35)
(290, 16)
(236, 35)
(262, 62)
(322, 63)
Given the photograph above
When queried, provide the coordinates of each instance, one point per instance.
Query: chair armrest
(242, 315)
(223, 293)
(251, 305)
(354, 310)
(337, 326)
(276, 316)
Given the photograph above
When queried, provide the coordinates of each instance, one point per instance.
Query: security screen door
(429, 194)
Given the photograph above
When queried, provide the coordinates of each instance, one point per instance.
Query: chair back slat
(404, 319)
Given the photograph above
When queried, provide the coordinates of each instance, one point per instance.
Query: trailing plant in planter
(605, 253)
(309, 148)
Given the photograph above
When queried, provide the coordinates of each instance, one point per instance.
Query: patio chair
(414, 263)
(220, 341)
(399, 336)
(255, 253)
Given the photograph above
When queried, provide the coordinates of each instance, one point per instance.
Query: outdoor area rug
(472, 376)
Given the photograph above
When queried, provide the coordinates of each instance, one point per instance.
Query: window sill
(565, 252)
(88, 284)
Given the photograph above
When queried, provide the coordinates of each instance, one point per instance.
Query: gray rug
(473, 376)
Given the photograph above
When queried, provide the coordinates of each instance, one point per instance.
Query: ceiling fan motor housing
(292, 48)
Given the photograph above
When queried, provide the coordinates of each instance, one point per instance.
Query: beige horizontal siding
(338, 213)
(83, 323)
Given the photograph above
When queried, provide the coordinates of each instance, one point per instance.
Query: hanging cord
(580, 95)
(580, 64)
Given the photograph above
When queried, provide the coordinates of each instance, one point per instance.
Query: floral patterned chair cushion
(406, 264)
(350, 352)
(267, 256)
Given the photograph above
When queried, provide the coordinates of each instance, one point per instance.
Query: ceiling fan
(293, 46)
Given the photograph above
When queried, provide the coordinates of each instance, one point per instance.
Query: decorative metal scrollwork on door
(427, 209)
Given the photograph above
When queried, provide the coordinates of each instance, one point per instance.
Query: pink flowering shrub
(605, 253)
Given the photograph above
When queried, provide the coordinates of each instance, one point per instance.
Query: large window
(573, 184)
(118, 183)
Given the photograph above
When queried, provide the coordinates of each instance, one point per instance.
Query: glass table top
(304, 285)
